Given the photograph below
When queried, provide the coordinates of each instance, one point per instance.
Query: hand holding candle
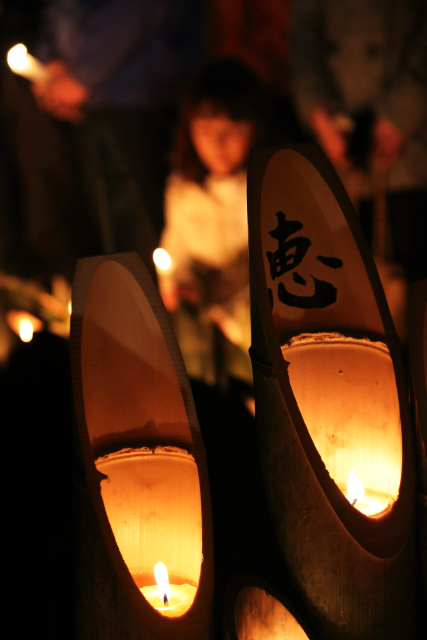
(56, 90)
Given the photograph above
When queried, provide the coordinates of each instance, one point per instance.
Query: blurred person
(115, 68)
(256, 33)
(206, 234)
(359, 72)
(41, 204)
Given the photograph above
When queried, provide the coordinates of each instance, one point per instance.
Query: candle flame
(355, 489)
(17, 57)
(162, 259)
(24, 324)
(162, 579)
(26, 330)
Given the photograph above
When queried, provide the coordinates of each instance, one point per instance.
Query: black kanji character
(324, 294)
(333, 263)
(281, 260)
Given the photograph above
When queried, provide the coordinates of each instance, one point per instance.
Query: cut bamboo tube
(331, 402)
(418, 350)
(144, 460)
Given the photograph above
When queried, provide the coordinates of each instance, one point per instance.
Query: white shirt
(207, 223)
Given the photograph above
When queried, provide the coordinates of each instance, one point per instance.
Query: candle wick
(354, 502)
(165, 600)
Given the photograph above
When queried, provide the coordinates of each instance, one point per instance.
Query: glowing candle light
(370, 503)
(17, 57)
(26, 330)
(169, 600)
(155, 519)
(24, 64)
(360, 432)
(162, 579)
(355, 489)
(24, 324)
(162, 259)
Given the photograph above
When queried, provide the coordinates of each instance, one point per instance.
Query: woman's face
(221, 144)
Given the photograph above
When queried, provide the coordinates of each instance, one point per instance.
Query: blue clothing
(127, 52)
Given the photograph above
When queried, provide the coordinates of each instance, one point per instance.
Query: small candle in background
(23, 324)
(24, 64)
(162, 259)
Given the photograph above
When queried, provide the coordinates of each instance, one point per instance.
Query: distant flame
(70, 307)
(24, 324)
(355, 489)
(26, 330)
(17, 57)
(162, 259)
(162, 579)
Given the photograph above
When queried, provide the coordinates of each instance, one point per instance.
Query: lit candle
(23, 324)
(371, 503)
(162, 259)
(172, 600)
(24, 64)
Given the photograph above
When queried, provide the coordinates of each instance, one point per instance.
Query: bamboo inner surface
(313, 265)
(132, 396)
(153, 504)
(259, 616)
(346, 392)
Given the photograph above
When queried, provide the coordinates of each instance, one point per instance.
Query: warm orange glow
(370, 503)
(170, 600)
(260, 616)
(162, 259)
(23, 324)
(70, 307)
(152, 499)
(346, 392)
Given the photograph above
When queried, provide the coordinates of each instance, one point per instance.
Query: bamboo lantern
(330, 402)
(255, 610)
(418, 348)
(144, 456)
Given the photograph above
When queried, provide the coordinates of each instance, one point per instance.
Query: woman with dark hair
(223, 115)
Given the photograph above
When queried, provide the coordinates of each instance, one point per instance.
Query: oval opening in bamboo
(346, 392)
(140, 438)
(152, 500)
(260, 616)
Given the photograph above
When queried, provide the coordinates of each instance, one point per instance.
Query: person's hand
(387, 143)
(330, 136)
(62, 95)
(171, 296)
